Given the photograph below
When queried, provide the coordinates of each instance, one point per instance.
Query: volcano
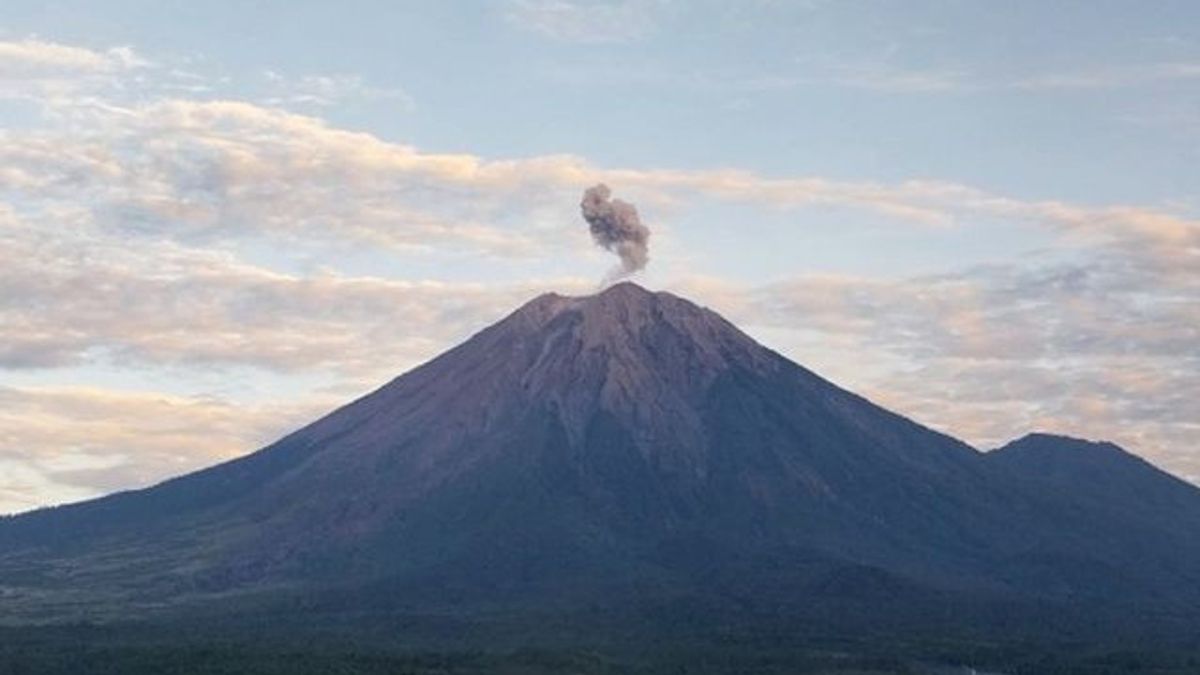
(629, 452)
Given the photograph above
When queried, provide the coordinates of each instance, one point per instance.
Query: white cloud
(215, 169)
(34, 69)
(65, 300)
(1103, 349)
(120, 227)
(33, 58)
(61, 444)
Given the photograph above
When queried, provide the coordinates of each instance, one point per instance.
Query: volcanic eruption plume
(615, 226)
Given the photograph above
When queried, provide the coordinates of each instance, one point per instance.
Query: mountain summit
(614, 450)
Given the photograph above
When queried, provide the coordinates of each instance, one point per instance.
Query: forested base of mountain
(200, 650)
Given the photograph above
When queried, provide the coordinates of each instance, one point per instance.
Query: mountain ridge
(584, 447)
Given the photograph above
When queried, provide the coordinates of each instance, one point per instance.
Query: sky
(221, 220)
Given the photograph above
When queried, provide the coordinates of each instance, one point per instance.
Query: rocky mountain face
(615, 450)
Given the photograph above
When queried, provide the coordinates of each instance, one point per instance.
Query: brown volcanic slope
(608, 449)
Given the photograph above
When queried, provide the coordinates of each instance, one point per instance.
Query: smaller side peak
(1043, 442)
(1047, 437)
(1063, 439)
(1076, 462)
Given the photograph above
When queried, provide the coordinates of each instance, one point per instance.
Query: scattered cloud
(221, 169)
(60, 444)
(68, 301)
(198, 171)
(33, 58)
(124, 224)
(1099, 349)
(35, 69)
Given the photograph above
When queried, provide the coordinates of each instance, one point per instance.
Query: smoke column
(615, 226)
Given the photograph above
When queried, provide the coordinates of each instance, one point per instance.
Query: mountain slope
(1119, 527)
(605, 450)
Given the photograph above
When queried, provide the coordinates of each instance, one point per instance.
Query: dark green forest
(98, 650)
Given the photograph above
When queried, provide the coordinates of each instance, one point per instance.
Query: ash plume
(615, 226)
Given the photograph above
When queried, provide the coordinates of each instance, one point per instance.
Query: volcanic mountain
(626, 449)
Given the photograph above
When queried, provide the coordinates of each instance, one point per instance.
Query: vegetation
(93, 650)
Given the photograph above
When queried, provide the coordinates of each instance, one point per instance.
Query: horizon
(219, 222)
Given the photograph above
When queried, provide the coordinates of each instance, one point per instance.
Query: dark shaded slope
(1105, 474)
(1102, 524)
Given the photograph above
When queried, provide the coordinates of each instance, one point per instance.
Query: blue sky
(236, 215)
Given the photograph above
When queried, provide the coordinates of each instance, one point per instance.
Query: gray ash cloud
(615, 225)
